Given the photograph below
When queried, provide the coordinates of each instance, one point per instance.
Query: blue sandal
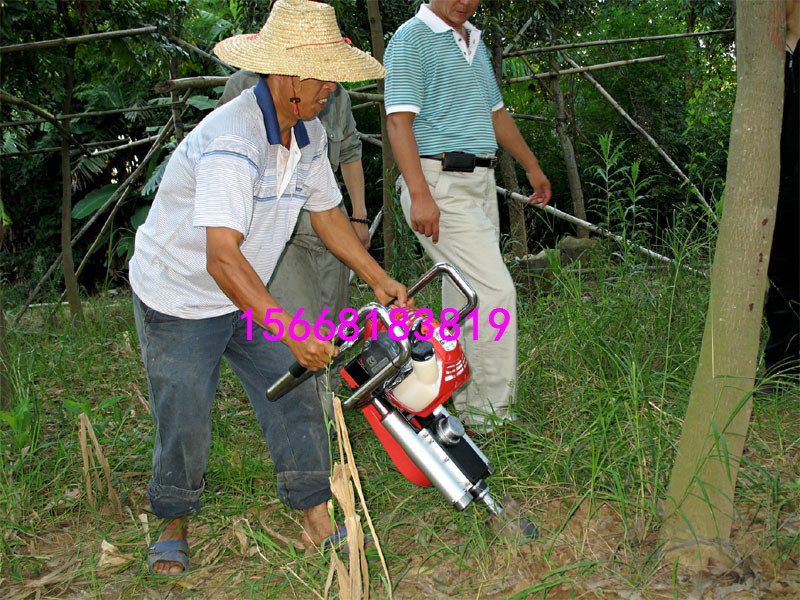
(169, 551)
(338, 540)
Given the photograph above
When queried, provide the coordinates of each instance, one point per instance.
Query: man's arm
(509, 137)
(424, 212)
(239, 281)
(335, 232)
(353, 175)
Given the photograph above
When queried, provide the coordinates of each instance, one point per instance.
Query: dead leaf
(110, 556)
(241, 537)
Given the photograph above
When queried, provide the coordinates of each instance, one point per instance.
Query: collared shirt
(447, 82)
(344, 145)
(226, 173)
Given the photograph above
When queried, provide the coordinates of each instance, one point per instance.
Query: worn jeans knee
(182, 360)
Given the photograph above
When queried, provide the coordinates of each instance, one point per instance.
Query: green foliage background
(684, 101)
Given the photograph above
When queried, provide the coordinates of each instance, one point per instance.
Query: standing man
(442, 98)
(225, 208)
(308, 275)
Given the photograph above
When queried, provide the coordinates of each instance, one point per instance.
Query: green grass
(607, 357)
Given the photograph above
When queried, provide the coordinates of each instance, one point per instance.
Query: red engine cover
(453, 373)
(453, 366)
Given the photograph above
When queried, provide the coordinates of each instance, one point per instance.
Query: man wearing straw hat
(225, 208)
(308, 275)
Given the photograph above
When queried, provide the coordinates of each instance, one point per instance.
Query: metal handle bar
(457, 279)
(297, 374)
(391, 369)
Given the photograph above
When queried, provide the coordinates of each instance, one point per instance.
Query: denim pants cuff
(170, 502)
(304, 489)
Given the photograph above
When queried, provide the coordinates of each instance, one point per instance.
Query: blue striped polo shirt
(227, 173)
(449, 85)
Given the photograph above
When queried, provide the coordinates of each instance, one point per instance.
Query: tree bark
(70, 280)
(388, 164)
(699, 510)
(508, 171)
(568, 151)
(5, 386)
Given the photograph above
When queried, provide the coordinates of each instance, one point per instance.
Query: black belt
(462, 161)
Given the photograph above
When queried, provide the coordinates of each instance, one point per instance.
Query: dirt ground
(586, 554)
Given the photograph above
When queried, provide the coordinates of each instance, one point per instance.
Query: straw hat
(300, 38)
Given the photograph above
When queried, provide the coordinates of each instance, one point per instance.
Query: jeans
(182, 359)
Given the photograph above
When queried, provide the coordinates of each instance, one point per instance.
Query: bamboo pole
(124, 145)
(93, 113)
(365, 96)
(531, 118)
(568, 153)
(57, 149)
(514, 41)
(363, 105)
(653, 38)
(371, 139)
(188, 83)
(598, 67)
(189, 46)
(120, 190)
(6, 97)
(599, 230)
(646, 136)
(79, 39)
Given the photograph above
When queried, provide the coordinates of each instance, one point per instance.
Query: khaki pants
(469, 230)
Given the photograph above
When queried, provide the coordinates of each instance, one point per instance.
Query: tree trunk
(389, 169)
(173, 74)
(5, 387)
(508, 171)
(70, 281)
(568, 151)
(699, 510)
(176, 108)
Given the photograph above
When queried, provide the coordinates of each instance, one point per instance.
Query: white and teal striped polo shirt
(227, 173)
(449, 85)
